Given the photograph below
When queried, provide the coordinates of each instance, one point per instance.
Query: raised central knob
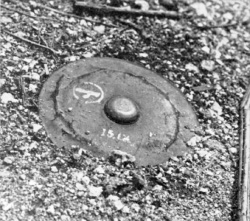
(122, 110)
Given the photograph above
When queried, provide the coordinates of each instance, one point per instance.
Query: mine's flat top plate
(72, 105)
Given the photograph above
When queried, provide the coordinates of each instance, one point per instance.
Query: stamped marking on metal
(110, 134)
(97, 93)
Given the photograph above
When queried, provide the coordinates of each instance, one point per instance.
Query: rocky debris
(54, 169)
(192, 67)
(99, 170)
(8, 160)
(121, 157)
(216, 109)
(8, 97)
(2, 82)
(207, 65)
(36, 127)
(200, 9)
(116, 202)
(95, 191)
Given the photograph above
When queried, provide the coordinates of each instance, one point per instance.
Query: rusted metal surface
(104, 104)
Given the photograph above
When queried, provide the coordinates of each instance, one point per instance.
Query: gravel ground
(208, 63)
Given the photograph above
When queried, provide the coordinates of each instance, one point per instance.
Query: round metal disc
(104, 104)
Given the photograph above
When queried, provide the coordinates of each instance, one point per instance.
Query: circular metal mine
(104, 104)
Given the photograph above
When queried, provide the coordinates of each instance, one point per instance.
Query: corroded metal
(104, 104)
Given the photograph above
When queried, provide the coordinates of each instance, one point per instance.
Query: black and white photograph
(124, 110)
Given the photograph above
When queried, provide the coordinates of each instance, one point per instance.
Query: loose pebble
(2, 82)
(192, 67)
(135, 207)
(36, 127)
(7, 206)
(95, 191)
(8, 160)
(204, 190)
(51, 209)
(200, 9)
(80, 186)
(7, 97)
(99, 170)
(54, 169)
(207, 65)
(86, 180)
(216, 109)
(100, 29)
(233, 150)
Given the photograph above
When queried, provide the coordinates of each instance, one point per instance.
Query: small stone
(175, 159)
(80, 193)
(204, 190)
(71, 58)
(135, 207)
(233, 150)
(88, 55)
(207, 65)
(124, 156)
(228, 16)
(202, 153)
(125, 209)
(143, 55)
(51, 209)
(8, 160)
(214, 144)
(33, 88)
(83, 23)
(206, 49)
(92, 202)
(86, 180)
(4, 173)
(99, 170)
(72, 32)
(95, 191)
(35, 76)
(32, 183)
(100, 29)
(157, 188)
(65, 218)
(33, 145)
(54, 169)
(22, 177)
(191, 67)
(85, 207)
(7, 97)
(215, 109)
(200, 9)
(7, 206)
(5, 20)
(116, 202)
(193, 141)
(144, 6)
(36, 127)
(210, 173)
(113, 198)
(78, 176)
(169, 4)
(2, 82)
(71, 20)
(80, 186)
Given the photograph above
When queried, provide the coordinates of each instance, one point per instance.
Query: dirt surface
(206, 54)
